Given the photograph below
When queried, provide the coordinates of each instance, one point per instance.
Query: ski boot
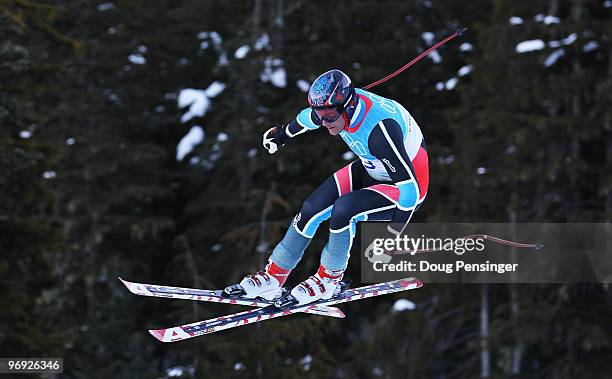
(264, 284)
(318, 286)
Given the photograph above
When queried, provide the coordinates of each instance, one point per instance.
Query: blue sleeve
(302, 123)
(386, 143)
(305, 119)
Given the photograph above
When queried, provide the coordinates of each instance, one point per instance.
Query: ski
(179, 333)
(215, 296)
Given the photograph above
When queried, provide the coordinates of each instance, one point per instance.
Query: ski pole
(460, 30)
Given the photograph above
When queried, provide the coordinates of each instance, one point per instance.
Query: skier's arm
(277, 136)
(386, 143)
(303, 122)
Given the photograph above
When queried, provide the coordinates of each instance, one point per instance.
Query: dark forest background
(90, 187)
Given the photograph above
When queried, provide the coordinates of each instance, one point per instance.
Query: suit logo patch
(389, 164)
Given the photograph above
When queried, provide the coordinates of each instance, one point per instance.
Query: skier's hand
(273, 138)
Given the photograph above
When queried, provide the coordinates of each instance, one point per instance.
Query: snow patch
(428, 37)
(137, 59)
(215, 38)
(440, 86)
(49, 174)
(530, 45)
(279, 78)
(435, 56)
(263, 41)
(514, 20)
(252, 153)
(70, 141)
(239, 366)
(216, 248)
(349, 155)
(25, 134)
(466, 46)
(197, 101)
(446, 160)
(306, 362)
(463, 71)
(177, 371)
(214, 89)
(553, 57)
(481, 170)
(402, 305)
(105, 7)
(223, 59)
(590, 46)
(451, 83)
(570, 39)
(241, 52)
(607, 4)
(222, 137)
(274, 72)
(262, 247)
(303, 85)
(548, 19)
(565, 41)
(189, 141)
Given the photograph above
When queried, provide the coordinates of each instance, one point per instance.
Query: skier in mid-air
(388, 183)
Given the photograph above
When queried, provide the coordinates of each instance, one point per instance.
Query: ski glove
(274, 138)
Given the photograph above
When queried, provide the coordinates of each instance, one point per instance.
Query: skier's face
(334, 128)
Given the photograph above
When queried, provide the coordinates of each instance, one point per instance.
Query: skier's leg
(316, 209)
(288, 252)
(347, 211)
(362, 205)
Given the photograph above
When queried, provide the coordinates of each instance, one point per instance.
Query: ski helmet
(332, 95)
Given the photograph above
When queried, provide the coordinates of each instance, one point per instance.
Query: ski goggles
(326, 114)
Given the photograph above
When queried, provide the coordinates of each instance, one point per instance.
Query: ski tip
(158, 334)
(170, 334)
(125, 282)
(411, 282)
(132, 287)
